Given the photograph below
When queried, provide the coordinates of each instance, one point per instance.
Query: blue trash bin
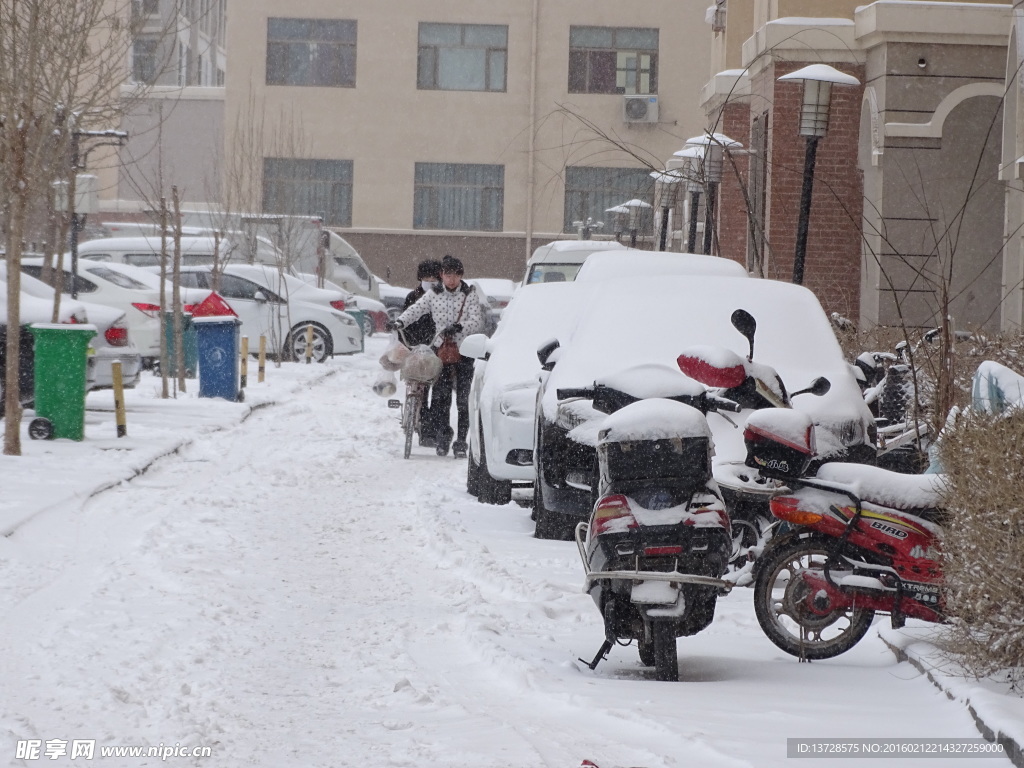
(217, 340)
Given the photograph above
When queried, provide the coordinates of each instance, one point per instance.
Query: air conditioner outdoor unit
(640, 109)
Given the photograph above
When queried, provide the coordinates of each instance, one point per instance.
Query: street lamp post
(711, 149)
(78, 162)
(634, 206)
(818, 80)
(620, 212)
(692, 160)
(667, 179)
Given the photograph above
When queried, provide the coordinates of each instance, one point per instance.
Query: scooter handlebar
(716, 403)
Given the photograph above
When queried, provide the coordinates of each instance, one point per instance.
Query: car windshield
(117, 278)
(553, 273)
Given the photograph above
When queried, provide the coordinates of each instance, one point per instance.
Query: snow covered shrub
(984, 543)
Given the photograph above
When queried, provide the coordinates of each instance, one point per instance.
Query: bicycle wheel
(410, 413)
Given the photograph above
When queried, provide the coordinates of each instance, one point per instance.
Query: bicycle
(418, 371)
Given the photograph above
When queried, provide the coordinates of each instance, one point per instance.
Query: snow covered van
(559, 261)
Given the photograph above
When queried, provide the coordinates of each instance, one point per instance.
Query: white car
(112, 341)
(503, 395)
(793, 335)
(609, 265)
(282, 308)
(559, 261)
(498, 291)
(132, 290)
(375, 315)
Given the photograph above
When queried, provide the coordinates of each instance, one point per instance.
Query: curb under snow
(997, 714)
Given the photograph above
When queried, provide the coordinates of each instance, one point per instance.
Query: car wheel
(296, 343)
(40, 429)
(367, 325)
(472, 478)
(491, 490)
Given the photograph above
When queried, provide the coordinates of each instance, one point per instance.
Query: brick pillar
(734, 122)
(832, 267)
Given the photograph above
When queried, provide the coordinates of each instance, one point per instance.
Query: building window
(462, 57)
(317, 52)
(590, 192)
(613, 60)
(144, 8)
(459, 196)
(145, 60)
(309, 187)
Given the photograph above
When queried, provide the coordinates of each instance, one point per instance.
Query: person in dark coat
(455, 308)
(422, 331)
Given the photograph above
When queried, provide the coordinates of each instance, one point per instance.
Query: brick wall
(832, 266)
(734, 122)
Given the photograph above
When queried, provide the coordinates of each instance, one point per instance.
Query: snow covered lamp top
(818, 80)
(711, 148)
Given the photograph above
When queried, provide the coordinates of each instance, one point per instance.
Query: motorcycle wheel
(663, 642)
(779, 596)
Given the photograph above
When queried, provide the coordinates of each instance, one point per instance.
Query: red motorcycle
(862, 540)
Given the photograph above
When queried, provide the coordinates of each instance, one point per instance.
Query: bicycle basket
(421, 365)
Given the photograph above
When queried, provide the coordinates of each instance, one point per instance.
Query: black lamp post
(692, 158)
(97, 139)
(706, 156)
(818, 80)
(668, 181)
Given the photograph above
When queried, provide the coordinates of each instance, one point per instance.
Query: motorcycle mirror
(819, 387)
(544, 353)
(745, 323)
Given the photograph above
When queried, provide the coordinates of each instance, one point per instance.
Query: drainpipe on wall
(530, 180)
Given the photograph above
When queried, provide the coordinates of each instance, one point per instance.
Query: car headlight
(517, 402)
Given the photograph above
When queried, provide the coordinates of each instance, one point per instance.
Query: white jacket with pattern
(444, 306)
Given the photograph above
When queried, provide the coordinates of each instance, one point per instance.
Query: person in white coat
(457, 313)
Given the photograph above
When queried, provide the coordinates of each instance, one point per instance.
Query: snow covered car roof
(536, 313)
(611, 265)
(793, 335)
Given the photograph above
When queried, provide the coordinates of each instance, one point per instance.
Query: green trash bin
(364, 321)
(61, 359)
(189, 344)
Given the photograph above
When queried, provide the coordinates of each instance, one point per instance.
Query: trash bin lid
(64, 327)
(216, 319)
(213, 306)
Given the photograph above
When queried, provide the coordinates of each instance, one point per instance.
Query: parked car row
(527, 426)
(112, 341)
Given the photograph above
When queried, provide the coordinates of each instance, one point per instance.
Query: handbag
(448, 352)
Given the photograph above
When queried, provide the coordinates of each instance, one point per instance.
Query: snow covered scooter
(658, 540)
(862, 540)
(752, 386)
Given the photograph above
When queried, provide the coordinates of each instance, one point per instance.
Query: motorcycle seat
(918, 495)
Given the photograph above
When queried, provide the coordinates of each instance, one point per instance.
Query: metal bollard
(119, 415)
(309, 344)
(262, 370)
(244, 372)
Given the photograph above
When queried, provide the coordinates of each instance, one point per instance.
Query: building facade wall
(385, 124)
(934, 220)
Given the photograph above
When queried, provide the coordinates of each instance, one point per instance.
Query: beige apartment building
(419, 129)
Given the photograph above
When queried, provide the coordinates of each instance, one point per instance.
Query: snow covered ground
(288, 591)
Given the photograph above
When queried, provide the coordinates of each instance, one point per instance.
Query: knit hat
(428, 269)
(452, 265)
